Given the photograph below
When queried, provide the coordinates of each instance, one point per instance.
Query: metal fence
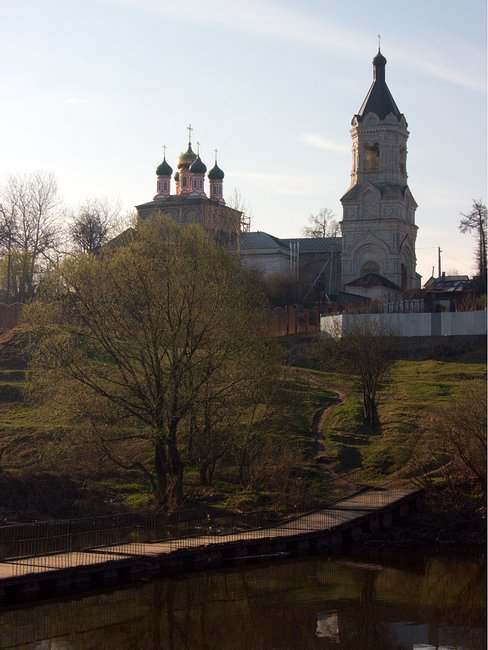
(48, 545)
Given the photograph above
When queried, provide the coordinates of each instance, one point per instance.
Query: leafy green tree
(135, 342)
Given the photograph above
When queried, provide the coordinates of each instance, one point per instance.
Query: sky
(93, 89)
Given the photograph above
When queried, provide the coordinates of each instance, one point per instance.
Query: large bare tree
(95, 221)
(30, 209)
(321, 225)
(362, 348)
(476, 222)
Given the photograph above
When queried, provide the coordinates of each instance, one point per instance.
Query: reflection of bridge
(56, 558)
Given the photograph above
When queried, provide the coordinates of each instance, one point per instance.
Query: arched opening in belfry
(370, 267)
(403, 160)
(371, 157)
(404, 276)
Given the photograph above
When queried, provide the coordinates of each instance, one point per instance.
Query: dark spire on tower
(379, 100)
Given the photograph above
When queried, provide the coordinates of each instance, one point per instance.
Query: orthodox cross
(198, 148)
(190, 129)
(216, 151)
(164, 149)
(379, 42)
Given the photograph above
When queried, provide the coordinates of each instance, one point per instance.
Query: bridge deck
(342, 514)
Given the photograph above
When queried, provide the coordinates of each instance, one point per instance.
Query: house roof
(317, 244)
(373, 280)
(262, 240)
(448, 284)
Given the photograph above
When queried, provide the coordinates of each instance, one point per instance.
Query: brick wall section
(294, 320)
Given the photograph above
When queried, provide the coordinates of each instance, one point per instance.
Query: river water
(362, 600)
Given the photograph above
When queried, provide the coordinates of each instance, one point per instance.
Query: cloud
(59, 99)
(318, 141)
(291, 185)
(303, 26)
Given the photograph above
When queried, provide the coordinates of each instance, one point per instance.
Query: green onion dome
(198, 167)
(216, 174)
(164, 169)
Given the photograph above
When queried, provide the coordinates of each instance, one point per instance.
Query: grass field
(54, 476)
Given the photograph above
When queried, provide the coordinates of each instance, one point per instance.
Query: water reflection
(394, 601)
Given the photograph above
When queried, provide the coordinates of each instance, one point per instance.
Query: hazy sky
(92, 89)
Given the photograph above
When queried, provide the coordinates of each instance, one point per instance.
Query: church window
(370, 267)
(404, 276)
(165, 186)
(403, 160)
(159, 186)
(371, 157)
(184, 181)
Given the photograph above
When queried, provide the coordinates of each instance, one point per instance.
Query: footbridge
(56, 558)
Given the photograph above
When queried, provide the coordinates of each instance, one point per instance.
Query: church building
(190, 202)
(374, 258)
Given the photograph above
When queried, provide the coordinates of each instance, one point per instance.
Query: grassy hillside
(39, 452)
(416, 389)
(47, 470)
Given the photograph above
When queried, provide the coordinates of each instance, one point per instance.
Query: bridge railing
(62, 543)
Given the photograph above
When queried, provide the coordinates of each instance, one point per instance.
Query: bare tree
(476, 221)
(236, 201)
(324, 224)
(94, 223)
(30, 208)
(460, 435)
(362, 348)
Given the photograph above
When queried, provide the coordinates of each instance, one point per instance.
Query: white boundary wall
(461, 323)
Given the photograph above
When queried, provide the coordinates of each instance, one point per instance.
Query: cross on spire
(190, 129)
(216, 151)
(164, 149)
(198, 148)
(379, 42)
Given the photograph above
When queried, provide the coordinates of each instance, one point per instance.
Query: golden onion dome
(186, 158)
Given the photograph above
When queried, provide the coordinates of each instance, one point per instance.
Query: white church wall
(268, 264)
(468, 323)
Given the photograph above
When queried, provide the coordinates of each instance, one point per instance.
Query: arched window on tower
(370, 267)
(371, 157)
(404, 276)
(403, 160)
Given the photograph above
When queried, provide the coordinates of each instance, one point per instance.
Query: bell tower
(378, 225)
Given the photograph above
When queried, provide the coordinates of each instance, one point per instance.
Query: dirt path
(320, 455)
(318, 422)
